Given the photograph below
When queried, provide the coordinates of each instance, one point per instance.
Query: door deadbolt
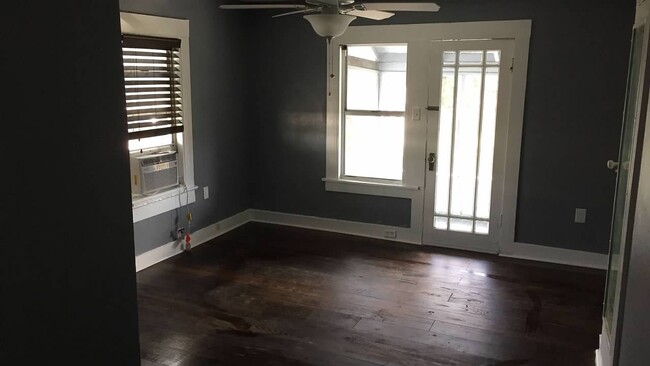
(432, 161)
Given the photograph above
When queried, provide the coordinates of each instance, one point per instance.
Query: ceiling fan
(330, 18)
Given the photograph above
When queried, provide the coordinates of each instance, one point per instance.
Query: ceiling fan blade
(371, 14)
(306, 11)
(402, 6)
(324, 2)
(262, 6)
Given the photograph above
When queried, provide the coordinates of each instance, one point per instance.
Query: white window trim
(340, 182)
(148, 25)
(368, 187)
(417, 37)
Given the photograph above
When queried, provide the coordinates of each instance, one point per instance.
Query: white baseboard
(199, 237)
(515, 250)
(604, 351)
(338, 226)
(554, 255)
(599, 358)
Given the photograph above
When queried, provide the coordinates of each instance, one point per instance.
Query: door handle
(613, 165)
(432, 161)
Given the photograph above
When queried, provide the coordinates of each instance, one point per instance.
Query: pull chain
(330, 66)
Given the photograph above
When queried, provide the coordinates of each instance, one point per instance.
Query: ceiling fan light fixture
(329, 25)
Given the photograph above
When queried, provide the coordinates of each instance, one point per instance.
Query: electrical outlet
(392, 234)
(581, 215)
(206, 193)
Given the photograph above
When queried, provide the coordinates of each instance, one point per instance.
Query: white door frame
(418, 37)
(459, 240)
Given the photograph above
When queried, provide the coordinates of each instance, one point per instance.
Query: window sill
(150, 206)
(369, 188)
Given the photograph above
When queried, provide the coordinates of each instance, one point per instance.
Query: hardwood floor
(273, 295)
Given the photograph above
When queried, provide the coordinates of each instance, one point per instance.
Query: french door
(469, 97)
(626, 168)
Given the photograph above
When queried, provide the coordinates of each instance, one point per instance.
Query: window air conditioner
(153, 172)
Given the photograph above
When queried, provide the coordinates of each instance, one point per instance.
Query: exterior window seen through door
(468, 105)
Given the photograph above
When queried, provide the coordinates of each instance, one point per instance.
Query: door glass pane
(492, 57)
(440, 222)
(443, 168)
(460, 225)
(482, 227)
(470, 58)
(466, 128)
(449, 58)
(466, 135)
(625, 152)
(488, 130)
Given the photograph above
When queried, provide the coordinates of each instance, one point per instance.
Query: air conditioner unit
(152, 172)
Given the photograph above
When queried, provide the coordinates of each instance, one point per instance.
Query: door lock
(432, 161)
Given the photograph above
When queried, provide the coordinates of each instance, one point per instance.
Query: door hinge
(501, 220)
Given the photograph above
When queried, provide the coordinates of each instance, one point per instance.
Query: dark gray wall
(574, 102)
(219, 117)
(67, 275)
(287, 117)
(259, 118)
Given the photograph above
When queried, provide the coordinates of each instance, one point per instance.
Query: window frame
(345, 111)
(335, 179)
(171, 199)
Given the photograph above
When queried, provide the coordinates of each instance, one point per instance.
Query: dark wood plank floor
(273, 295)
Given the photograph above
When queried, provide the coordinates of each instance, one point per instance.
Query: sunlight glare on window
(466, 135)
(374, 147)
(150, 142)
(392, 91)
(374, 113)
(363, 88)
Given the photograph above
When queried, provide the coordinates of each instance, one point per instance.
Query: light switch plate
(581, 215)
(206, 193)
(417, 113)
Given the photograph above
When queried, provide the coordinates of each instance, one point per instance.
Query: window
(155, 53)
(153, 93)
(374, 98)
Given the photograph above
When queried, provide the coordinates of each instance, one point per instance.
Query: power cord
(188, 216)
